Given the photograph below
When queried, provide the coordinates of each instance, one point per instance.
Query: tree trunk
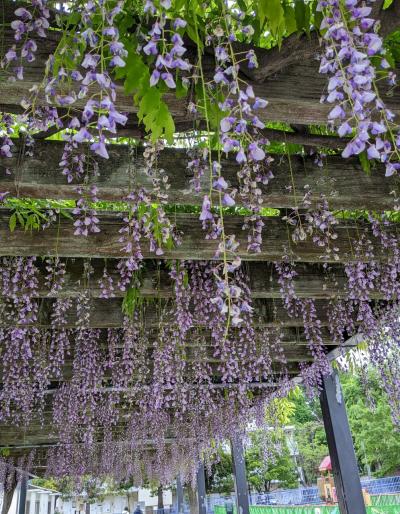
(8, 496)
(193, 503)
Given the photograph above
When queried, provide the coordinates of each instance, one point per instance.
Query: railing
(305, 495)
(310, 509)
(387, 485)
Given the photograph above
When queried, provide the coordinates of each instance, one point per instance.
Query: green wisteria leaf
(272, 10)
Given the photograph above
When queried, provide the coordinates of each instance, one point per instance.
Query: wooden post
(22, 495)
(239, 473)
(341, 450)
(201, 489)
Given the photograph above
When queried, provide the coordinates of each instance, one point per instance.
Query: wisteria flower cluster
(30, 23)
(204, 347)
(351, 42)
(6, 130)
(166, 45)
(240, 137)
(160, 371)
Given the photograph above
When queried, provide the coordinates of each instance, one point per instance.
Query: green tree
(279, 466)
(221, 478)
(376, 441)
(311, 442)
(309, 434)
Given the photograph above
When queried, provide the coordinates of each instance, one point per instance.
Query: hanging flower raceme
(164, 44)
(60, 337)
(103, 55)
(240, 139)
(143, 222)
(55, 275)
(96, 51)
(87, 221)
(6, 142)
(240, 132)
(351, 45)
(383, 346)
(106, 285)
(30, 22)
(286, 275)
(19, 283)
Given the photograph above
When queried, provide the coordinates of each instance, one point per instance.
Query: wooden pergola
(289, 78)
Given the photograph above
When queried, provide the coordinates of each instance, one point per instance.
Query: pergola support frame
(239, 473)
(341, 449)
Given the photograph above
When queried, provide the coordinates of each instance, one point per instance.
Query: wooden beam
(59, 240)
(108, 314)
(291, 367)
(311, 281)
(305, 138)
(301, 47)
(342, 181)
(290, 337)
(293, 94)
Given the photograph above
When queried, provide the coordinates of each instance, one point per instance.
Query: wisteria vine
(204, 346)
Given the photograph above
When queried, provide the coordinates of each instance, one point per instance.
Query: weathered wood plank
(342, 181)
(293, 94)
(290, 337)
(311, 281)
(298, 48)
(108, 314)
(59, 240)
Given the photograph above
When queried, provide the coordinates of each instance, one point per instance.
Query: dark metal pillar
(22, 495)
(160, 500)
(341, 450)
(179, 495)
(201, 489)
(239, 473)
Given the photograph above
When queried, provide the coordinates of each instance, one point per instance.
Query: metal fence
(387, 485)
(305, 495)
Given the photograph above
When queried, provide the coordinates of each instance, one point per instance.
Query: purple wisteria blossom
(167, 46)
(351, 42)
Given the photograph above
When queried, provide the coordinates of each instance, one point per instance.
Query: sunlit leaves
(387, 3)
(153, 111)
(365, 163)
(290, 19)
(302, 15)
(272, 11)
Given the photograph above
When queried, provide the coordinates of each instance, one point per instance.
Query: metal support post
(341, 449)
(179, 495)
(22, 495)
(239, 473)
(201, 489)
